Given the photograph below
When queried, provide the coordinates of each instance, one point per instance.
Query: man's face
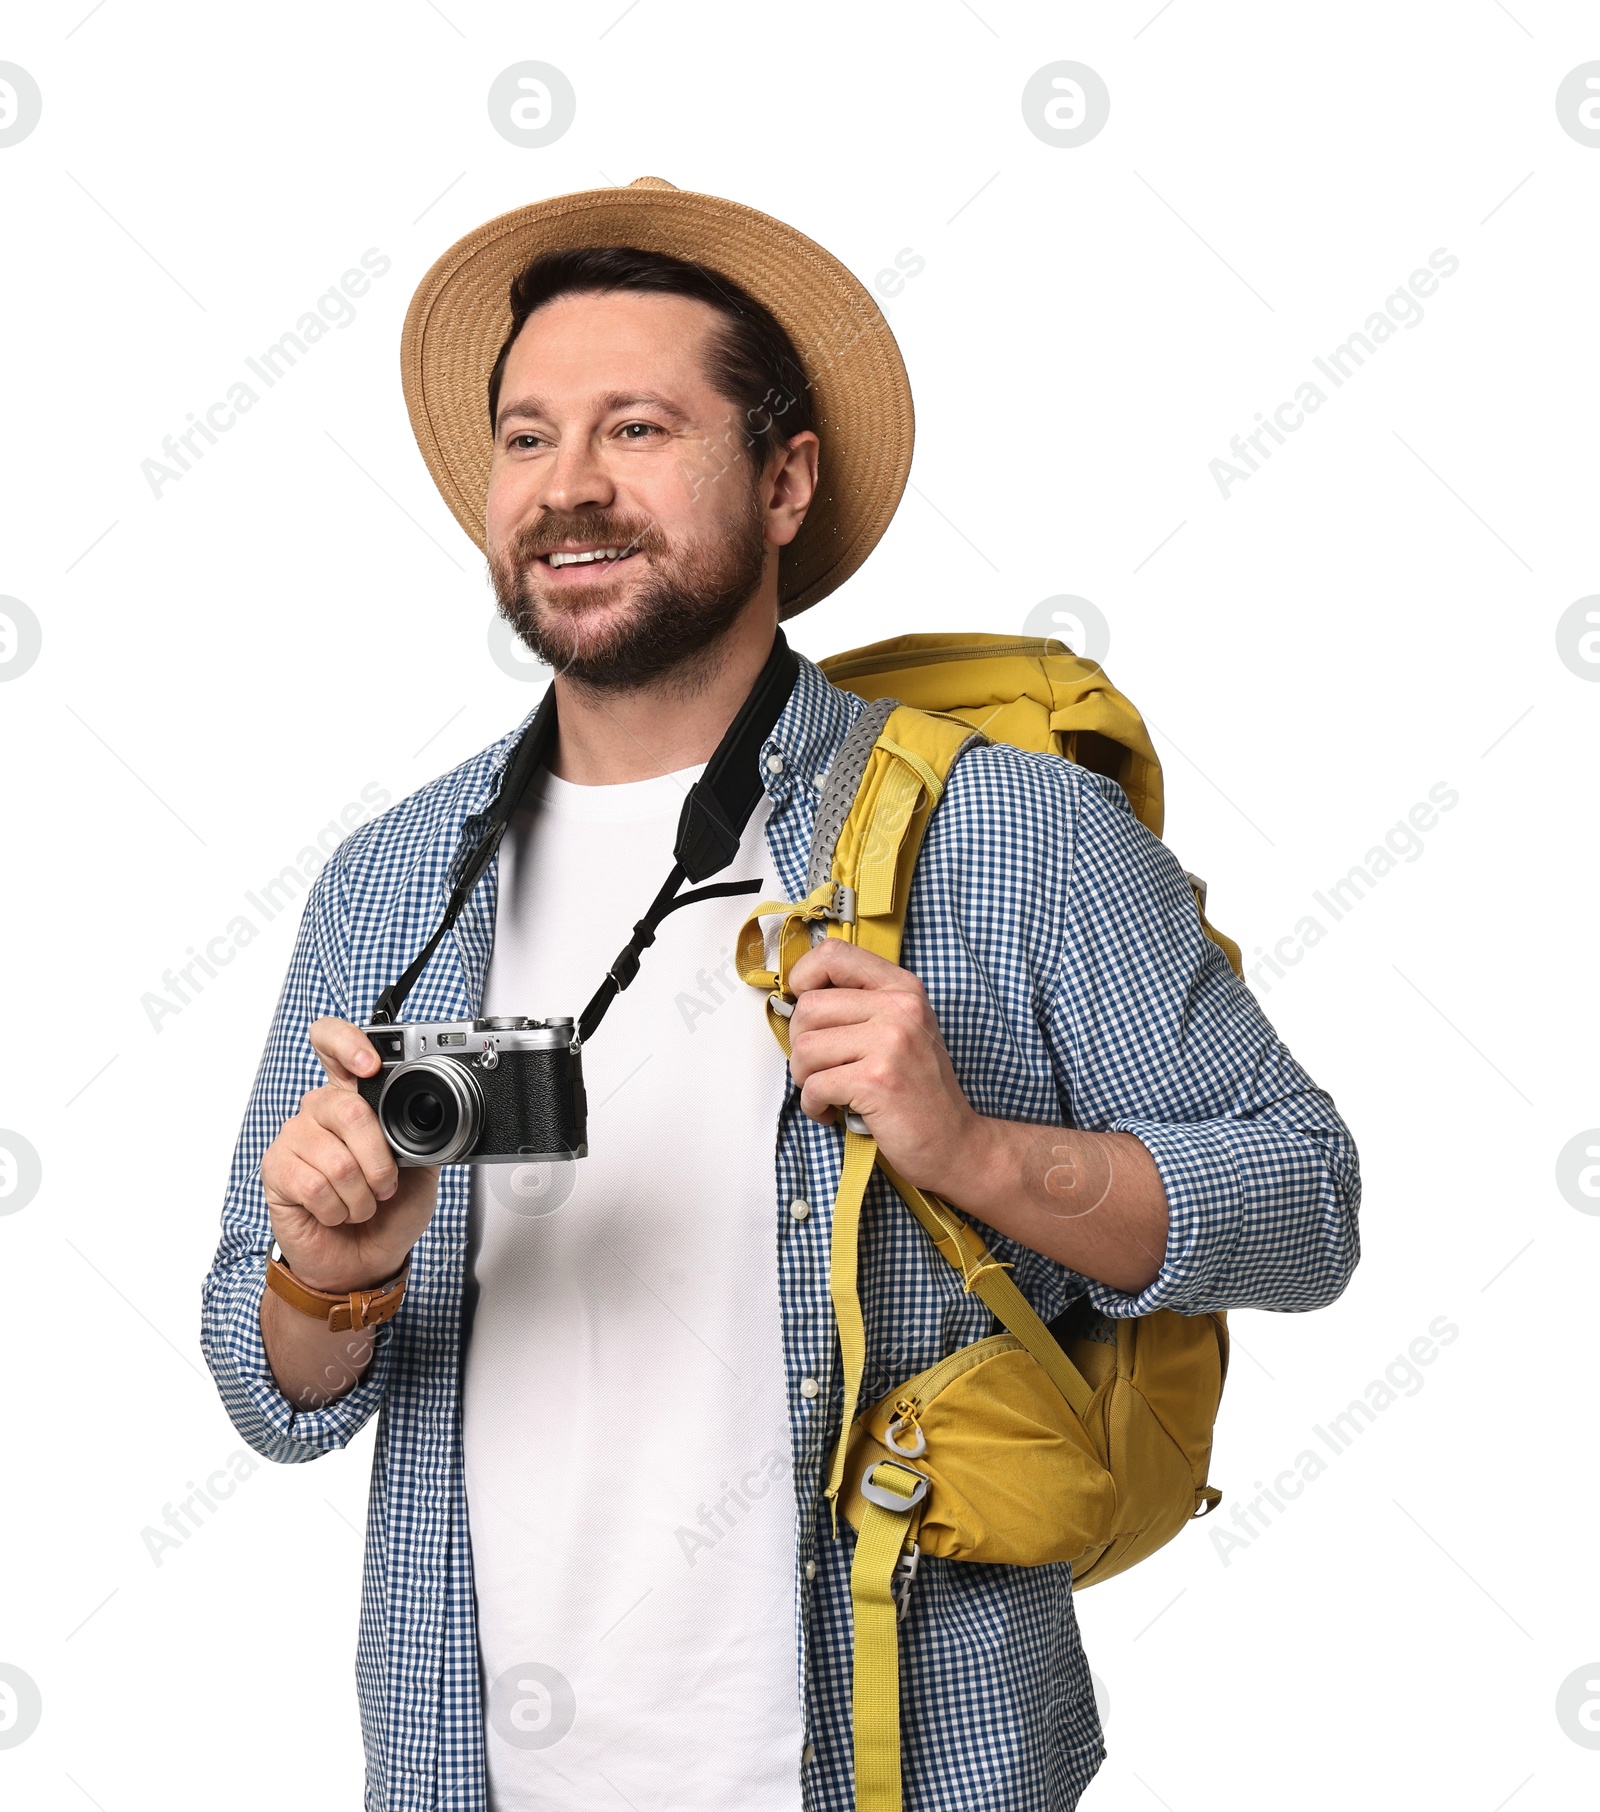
(627, 527)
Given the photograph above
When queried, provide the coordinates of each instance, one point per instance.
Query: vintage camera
(479, 1091)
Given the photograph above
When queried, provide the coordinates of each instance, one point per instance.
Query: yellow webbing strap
(983, 1276)
(793, 939)
(931, 778)
(875, 1689)
(860, 1153)
(877, 846)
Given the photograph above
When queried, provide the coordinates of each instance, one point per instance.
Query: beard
(684, 601)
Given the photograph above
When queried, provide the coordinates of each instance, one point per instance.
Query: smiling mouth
(596, 556)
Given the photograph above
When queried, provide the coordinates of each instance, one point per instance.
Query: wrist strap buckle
(351, 1311)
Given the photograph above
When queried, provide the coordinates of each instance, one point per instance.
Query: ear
(790, 486)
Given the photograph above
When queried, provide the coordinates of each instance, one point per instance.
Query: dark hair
(753, 360)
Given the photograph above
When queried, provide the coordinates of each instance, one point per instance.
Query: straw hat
(861, 400)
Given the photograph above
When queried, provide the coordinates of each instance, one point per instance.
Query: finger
(886, 1058)
(899, 1028)
(345, 1050)
(291, 1181)
(847, 1085)
(826, 1049)
(343, 1114)
(327, 1153)
(836, 964)
(830, 1008)
(901, 1025)
(836, 1007)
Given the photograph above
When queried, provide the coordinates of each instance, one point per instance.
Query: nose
(576, 479)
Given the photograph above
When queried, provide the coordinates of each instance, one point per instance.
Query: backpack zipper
(926, 1385)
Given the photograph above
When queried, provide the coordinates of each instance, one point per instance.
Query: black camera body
(479, 1091)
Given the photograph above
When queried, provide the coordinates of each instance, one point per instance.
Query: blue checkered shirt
(1061, 951)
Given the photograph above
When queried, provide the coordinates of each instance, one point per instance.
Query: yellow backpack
(1089, 1445)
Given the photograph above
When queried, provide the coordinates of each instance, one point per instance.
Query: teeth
(599, 553)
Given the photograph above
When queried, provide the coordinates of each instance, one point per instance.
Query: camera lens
(424, 1114)
(431, 1110)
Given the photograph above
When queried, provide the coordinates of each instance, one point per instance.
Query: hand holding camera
(351, 1181)
(343, 1211)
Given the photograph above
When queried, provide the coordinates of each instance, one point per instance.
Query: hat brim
(860, 395)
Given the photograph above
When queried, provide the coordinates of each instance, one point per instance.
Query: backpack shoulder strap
(861, 864)
(880, 792)
(875, 850)
(871, 850)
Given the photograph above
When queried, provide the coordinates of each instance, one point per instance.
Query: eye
(637, 431)
(525, 442)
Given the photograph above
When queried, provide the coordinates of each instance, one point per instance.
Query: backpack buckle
(905, 1571)
(886, 1497)
(840, 908)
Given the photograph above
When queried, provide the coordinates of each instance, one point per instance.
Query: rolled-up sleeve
(1151, 1033)
(230, 1325)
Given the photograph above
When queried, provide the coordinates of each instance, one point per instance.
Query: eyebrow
(614, 402)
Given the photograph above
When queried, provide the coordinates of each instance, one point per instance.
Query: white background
(226, 666)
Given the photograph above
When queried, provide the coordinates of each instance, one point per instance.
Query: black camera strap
(524, 761)
(712, 823)
(715, 813)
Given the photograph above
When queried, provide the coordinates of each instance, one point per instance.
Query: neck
(607, 738)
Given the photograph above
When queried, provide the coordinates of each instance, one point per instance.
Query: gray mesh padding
(839, 786)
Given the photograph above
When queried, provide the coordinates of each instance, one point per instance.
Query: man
(600, 1571)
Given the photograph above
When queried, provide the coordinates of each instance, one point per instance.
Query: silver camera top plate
(470, 1037)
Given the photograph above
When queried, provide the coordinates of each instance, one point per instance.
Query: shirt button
(774, 763)
(811, 1569)
(810, 1388)
(808, 1755)
(799, 1208)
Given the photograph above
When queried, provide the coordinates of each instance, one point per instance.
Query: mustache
(599, 528)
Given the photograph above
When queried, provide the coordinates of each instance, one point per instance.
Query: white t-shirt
(623, 1407)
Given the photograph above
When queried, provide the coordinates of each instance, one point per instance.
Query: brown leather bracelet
(355, 1309)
